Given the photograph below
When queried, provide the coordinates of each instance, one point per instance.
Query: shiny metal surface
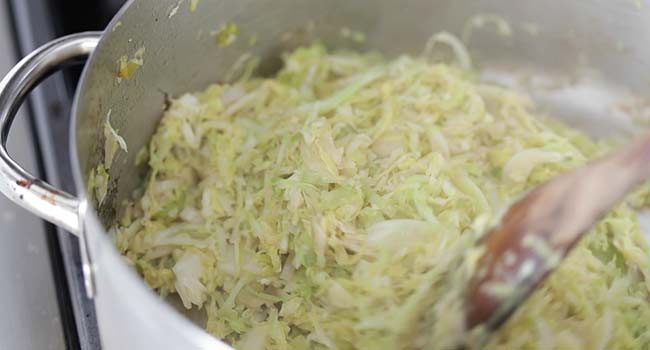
(16, 183)
(564, 43)
(42, 199)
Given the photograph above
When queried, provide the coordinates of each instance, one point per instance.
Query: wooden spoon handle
(538, 231)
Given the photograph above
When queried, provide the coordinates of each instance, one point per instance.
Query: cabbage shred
(325, 208)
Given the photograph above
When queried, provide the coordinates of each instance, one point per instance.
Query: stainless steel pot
(594, 49)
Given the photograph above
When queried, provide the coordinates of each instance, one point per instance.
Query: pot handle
(21, 187)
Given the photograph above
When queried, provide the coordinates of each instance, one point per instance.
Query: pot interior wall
(583, 58)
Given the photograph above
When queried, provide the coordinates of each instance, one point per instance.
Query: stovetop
(36, 22)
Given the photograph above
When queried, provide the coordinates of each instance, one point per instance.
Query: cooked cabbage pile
(326, 207)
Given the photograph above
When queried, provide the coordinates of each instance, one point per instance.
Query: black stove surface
(35, 23)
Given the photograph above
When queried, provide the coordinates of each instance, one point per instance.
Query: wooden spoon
(538, 231)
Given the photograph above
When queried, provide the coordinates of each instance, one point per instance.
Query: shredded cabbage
(127, 67)
(98, 184)
(174, 10)
(113, 142)
(335, 205)
(226, 35)
(353, 35)
(502, 26)
(194, 4)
